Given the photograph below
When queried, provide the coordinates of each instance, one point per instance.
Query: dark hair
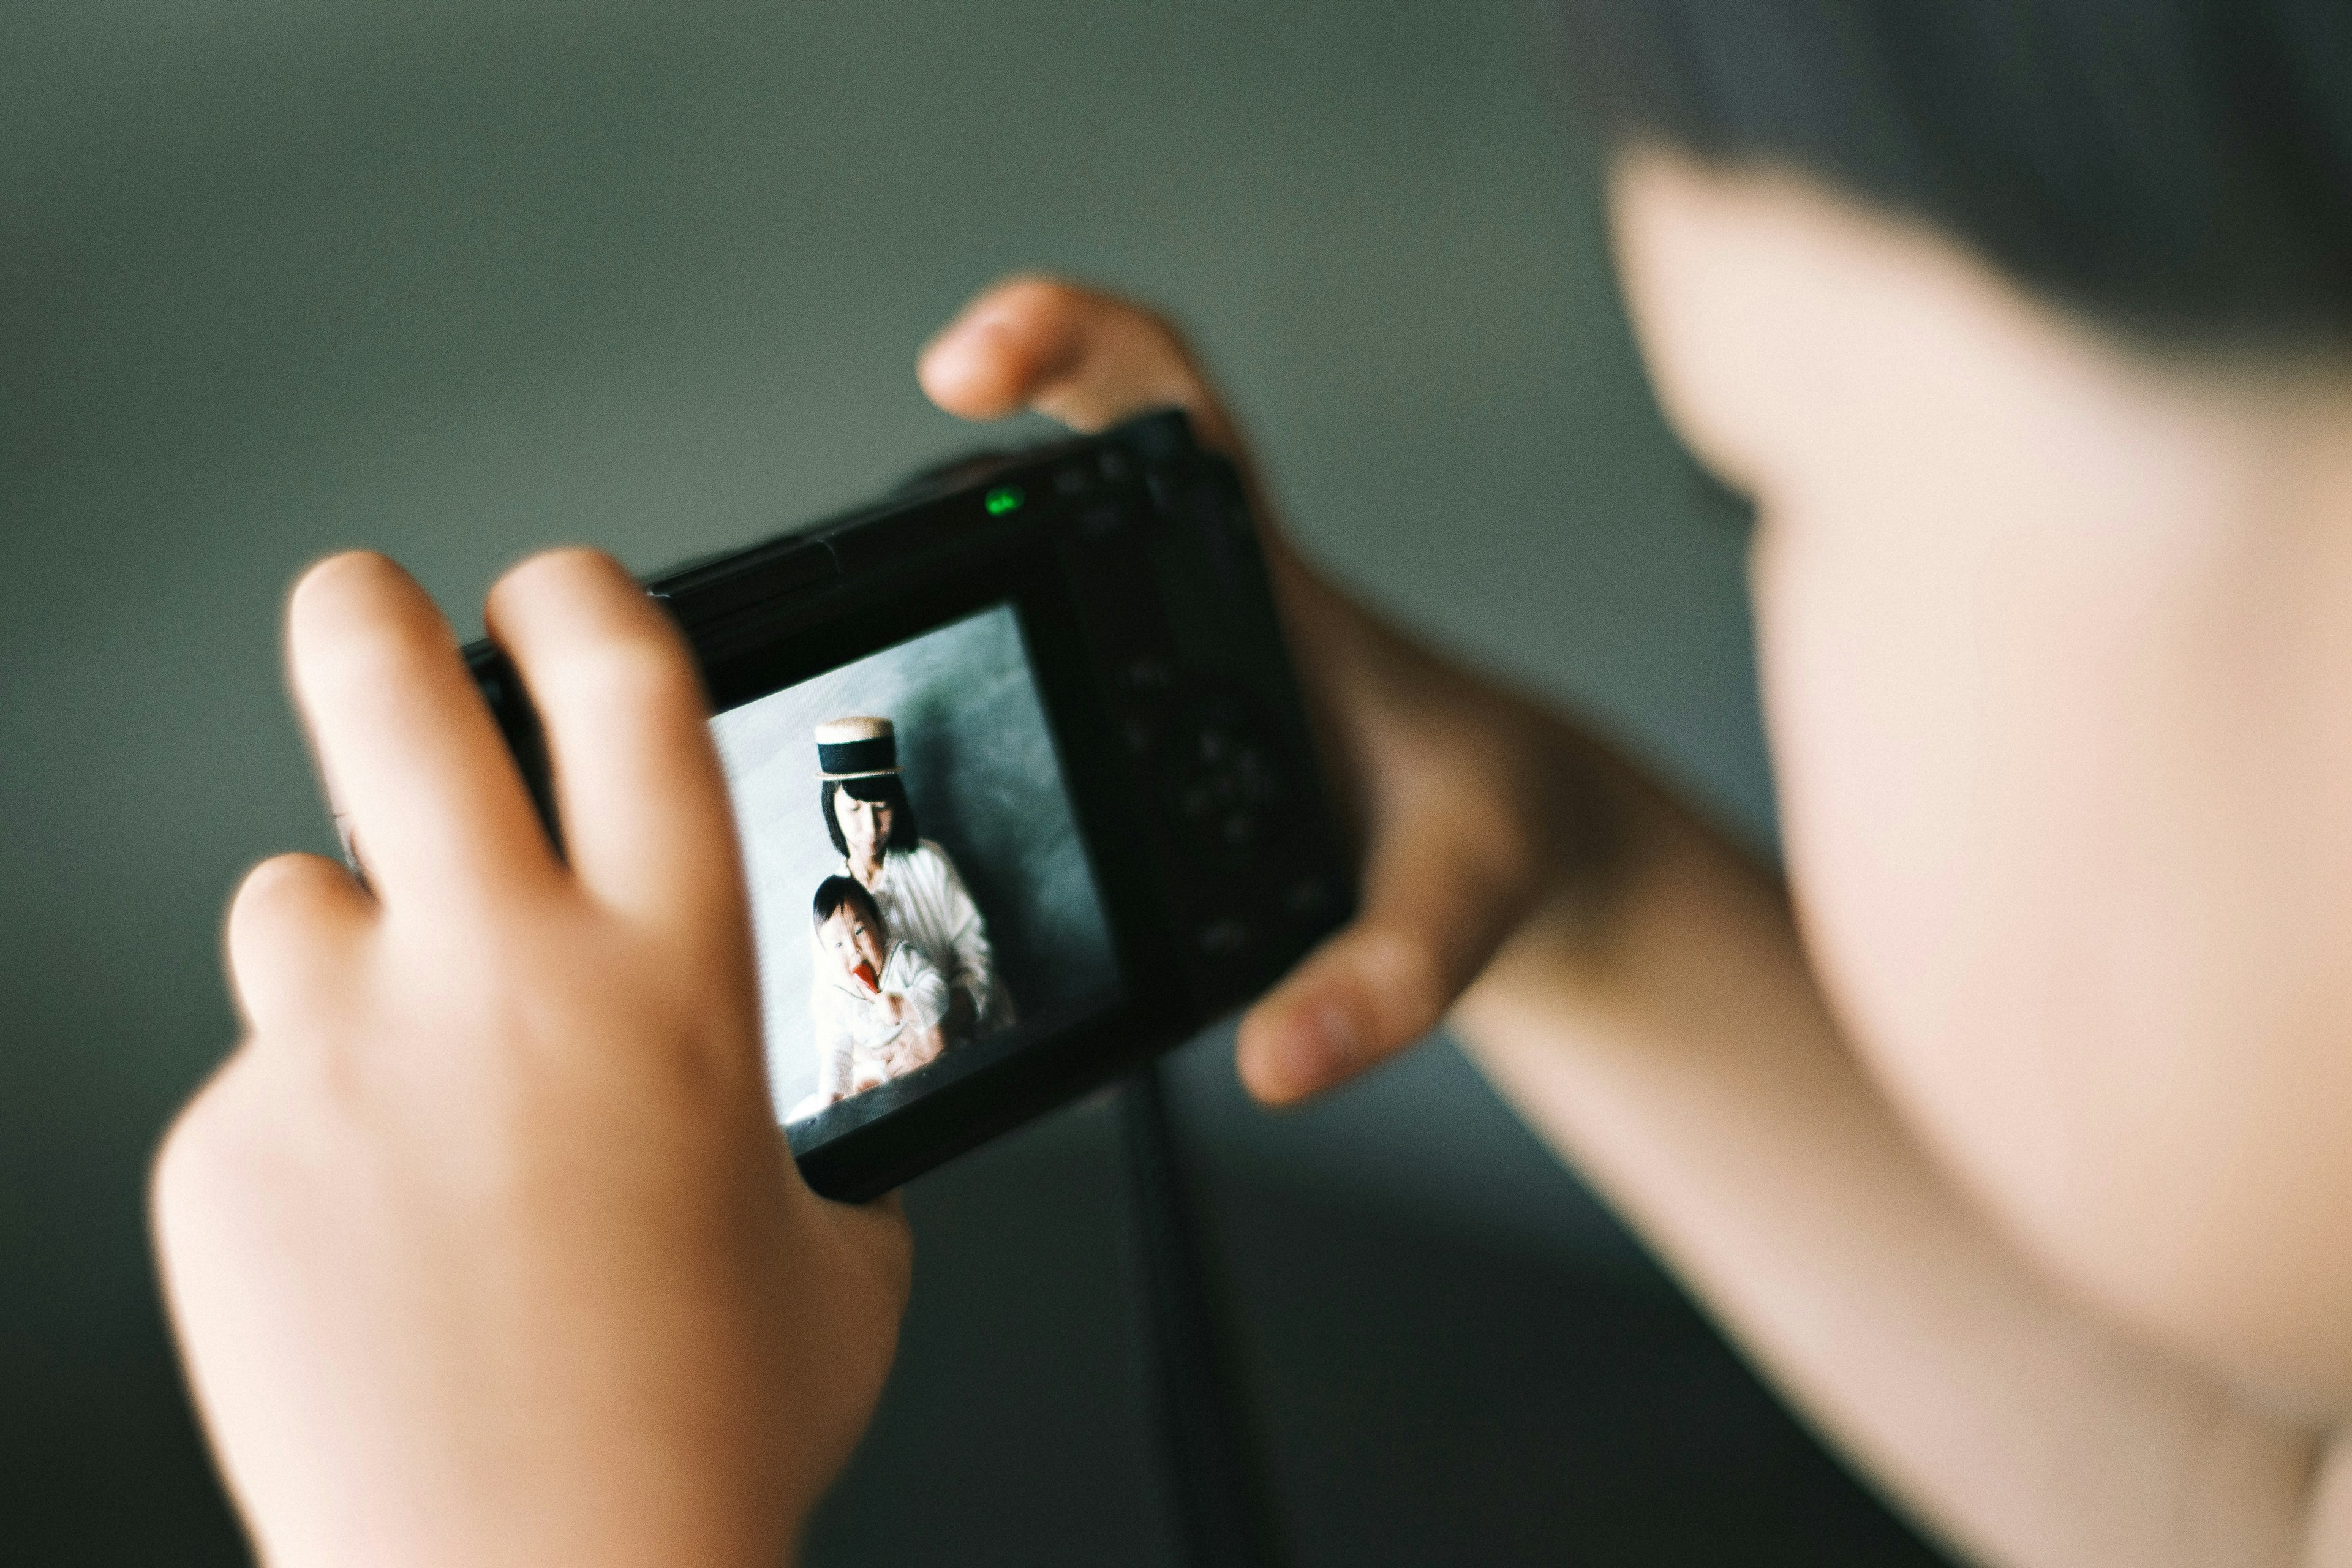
(2181, 169)
(836, 892)
(883, 789)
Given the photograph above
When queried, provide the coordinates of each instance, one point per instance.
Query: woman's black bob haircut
(2180, 169)
(883, 789)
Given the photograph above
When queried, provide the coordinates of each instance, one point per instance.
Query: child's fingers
(288, 933)
(407, 747)
(1087, 359)
(647, 825)
(1446, 882)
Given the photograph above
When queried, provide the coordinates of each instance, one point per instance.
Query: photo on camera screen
(921, 896)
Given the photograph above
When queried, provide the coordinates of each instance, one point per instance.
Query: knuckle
(270, 886)
(193, 1156)
(288, 936)
(277, 905)
(178, 1156)
(253, 922)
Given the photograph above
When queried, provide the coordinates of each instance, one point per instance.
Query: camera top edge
(1159, 437)
(811, 554)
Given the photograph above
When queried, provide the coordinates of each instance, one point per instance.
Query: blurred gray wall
(461, 279)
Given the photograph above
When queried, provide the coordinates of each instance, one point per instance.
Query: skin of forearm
(1659, 1026)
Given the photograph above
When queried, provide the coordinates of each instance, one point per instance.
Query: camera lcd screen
(922, 900)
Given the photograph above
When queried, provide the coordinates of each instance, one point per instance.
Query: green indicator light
(1002, 500)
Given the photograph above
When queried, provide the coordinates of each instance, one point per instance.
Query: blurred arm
(1676, 1049)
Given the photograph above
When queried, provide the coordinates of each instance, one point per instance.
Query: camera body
(1067, 661)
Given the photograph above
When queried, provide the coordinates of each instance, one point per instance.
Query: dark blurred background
(457, 281)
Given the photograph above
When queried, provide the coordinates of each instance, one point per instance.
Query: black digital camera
(1025, 788)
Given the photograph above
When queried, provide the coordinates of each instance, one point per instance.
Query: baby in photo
(879, 1014)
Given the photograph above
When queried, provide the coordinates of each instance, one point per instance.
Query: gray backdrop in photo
(985, 784)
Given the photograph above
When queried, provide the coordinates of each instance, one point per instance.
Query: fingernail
(1322, 1048)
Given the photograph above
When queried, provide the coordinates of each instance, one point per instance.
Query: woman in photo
(914, 884)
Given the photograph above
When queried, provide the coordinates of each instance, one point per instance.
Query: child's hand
(893, 1005)
(485, 1245)
(1473, 806)
(921, 1047)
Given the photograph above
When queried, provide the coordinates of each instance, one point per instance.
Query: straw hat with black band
(856, 748)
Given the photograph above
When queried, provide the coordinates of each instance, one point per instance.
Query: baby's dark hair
(836, 892)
